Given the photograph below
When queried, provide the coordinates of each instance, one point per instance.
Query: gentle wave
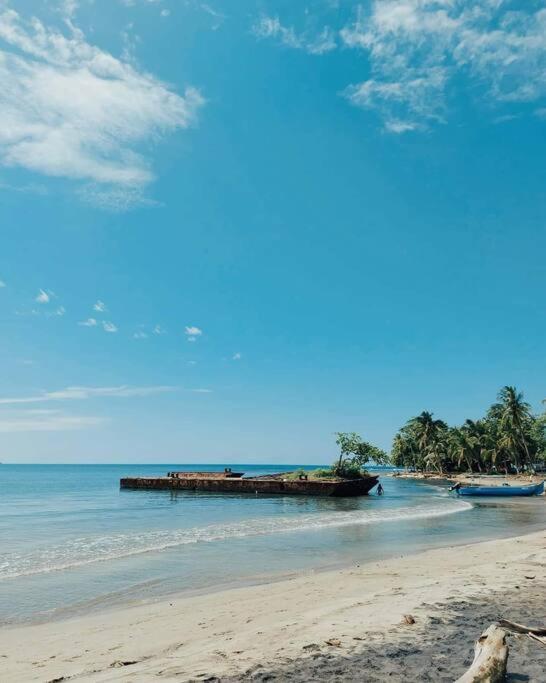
(83, 551)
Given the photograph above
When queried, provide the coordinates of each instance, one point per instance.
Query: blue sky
(230, 231)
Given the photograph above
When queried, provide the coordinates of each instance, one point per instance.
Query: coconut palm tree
(430, 436)
(515, 419)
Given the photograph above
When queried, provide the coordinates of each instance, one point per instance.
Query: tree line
(509, 438)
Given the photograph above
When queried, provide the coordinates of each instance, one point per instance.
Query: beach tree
(514, 425)
(539, 435)
(509, 436)
(355, 454)
(431, 436)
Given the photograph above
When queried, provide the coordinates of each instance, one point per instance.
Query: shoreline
(467, 477)
(225, 633)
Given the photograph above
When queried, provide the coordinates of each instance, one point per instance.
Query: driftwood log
(520, 628)
(490, 657)
(536, 634)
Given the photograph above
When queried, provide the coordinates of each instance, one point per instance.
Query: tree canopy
(354, 455)
(509, 437)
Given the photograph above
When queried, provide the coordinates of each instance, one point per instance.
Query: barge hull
(347, 487)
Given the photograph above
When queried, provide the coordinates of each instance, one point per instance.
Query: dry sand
(281, 631)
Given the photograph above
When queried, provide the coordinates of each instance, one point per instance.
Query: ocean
(71, 541)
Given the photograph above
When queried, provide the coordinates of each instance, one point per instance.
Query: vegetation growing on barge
(354, 455)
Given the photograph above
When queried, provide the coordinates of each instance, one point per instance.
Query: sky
(229, 230)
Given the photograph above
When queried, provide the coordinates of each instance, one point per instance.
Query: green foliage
(322, 473)
(508, 438)
(354, 455)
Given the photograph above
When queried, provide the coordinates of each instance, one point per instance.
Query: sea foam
(83, 551)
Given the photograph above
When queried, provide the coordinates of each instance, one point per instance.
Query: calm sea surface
(71, 541)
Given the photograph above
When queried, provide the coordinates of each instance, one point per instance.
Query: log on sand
(520, 628)
(490, 657)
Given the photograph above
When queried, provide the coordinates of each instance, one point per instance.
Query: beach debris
(490, 658)
(118, 664)
(539, 639)
(520, 628)
(311, 647)
(529, 577)
(334, 642)
(408, 619)
(537, 634)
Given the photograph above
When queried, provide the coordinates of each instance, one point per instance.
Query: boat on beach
(503, 490)
(235, 482)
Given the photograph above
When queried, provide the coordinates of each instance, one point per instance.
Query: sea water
(71, 541)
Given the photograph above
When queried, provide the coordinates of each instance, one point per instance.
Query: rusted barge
(236, 482)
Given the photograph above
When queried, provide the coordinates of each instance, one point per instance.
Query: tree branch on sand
(490, 658)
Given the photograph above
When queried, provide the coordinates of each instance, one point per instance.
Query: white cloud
(271, 27)
(108, 326)
(2, 284)
(99, 306)
(420, 51)
(201, 391)
(71, 110)
(90, 322)
(43, 297)
(48, 423)
(82, 393)
(69, 7)
(140, 335)
(192, 331)
(60, 311)
(237, 356)
(159, 330)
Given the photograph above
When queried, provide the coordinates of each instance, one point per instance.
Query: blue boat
(504, 490)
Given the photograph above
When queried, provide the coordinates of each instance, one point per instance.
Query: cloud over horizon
(82, 393)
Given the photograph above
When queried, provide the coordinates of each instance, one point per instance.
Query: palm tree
(462, 447)
(515, 415)
(429, 435)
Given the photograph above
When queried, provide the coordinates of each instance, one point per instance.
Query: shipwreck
(227, 481)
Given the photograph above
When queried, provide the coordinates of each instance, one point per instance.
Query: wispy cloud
(99, 306)
(317, 43)
(140, 335)
(192, 333)
(90, 322)
(2, 284)
(420, 50)
(201, 391)
(237, 356)
(48, 423)
(83, 393)
(159, 330)
(109, 327)
(71, 110)
(43, 297)
(421, 54)
(59, 312)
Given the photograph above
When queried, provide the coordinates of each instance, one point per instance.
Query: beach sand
(342, 625)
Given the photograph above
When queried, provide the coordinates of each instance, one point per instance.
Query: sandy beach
(338, 625)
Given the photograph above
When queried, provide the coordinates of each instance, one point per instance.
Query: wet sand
(344, 625)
